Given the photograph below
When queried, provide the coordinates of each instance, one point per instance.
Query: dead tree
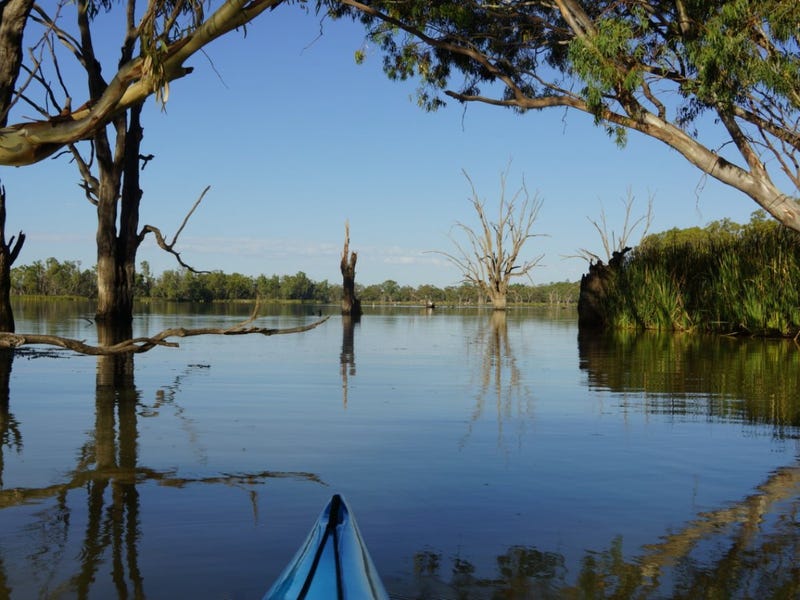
(351, 306)
(8, 254)
(595, 283)
(594, 290)
(490, 258)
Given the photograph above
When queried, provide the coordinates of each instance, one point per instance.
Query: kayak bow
(333, 563)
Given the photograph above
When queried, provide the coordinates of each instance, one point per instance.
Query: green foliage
(54, 278)
(725, 277)
(733, 54)
(608, 61)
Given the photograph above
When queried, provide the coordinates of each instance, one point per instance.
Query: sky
(295, 139)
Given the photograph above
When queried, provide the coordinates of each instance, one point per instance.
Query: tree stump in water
(351, 306)
(8, 254)
(594, 289)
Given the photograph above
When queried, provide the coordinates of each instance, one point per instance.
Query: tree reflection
(746, 550)
(522, 572)
(500, 377)
(347, 358)
(10, 435)
(108, 473)
(113, 451)
(712, 377)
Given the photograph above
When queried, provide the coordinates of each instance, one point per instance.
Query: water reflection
(732, 552)
(108, 473)
(347, 358)
(113, 452)
(694, 376)
(10, 434)
(500, 381)
(523, 535)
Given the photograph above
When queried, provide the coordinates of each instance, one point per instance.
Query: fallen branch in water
(143, 344)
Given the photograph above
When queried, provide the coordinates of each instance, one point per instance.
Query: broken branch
(143, 344)
(170, 247)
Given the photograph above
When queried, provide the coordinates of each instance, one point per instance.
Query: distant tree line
(55, 278)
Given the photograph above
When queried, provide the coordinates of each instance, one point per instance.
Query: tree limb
(143, 344)
(27, 143)
(525, 47)
(170, 247)
(11, 249)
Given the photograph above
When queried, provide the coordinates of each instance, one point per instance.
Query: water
(483, 457)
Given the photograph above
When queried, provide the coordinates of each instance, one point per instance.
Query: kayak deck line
(332, 564)
(334, 519)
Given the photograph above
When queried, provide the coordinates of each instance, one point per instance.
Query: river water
(484, 457)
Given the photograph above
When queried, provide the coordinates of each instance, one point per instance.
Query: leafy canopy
(658, 67)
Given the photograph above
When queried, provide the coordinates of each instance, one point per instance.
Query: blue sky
(294, 139)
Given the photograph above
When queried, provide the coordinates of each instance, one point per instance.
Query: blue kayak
(332, 564)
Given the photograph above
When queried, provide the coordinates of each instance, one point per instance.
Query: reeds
(741, 279)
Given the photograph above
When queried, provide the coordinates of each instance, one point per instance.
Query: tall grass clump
(655, 300)
(725, 277)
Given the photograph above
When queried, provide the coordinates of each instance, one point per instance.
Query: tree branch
(143, 344)
(27, 143)
(170, 247)
(519, 64)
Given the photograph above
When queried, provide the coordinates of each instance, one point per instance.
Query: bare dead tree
(8, 254)
(490, 258)
(595, 283)
(614, 243)
(351, 305)
(143, 344)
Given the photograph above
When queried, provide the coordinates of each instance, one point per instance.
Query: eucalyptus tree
(718, 81)
(157, 38)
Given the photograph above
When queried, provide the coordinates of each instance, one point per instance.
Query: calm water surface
(483, 457)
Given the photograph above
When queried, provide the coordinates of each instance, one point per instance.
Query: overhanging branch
(27, 143)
